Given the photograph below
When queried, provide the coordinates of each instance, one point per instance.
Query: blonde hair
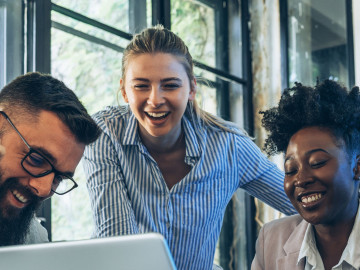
(158, 39)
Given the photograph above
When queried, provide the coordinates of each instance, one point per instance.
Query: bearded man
(44, 129)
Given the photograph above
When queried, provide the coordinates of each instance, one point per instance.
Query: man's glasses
(35, 164)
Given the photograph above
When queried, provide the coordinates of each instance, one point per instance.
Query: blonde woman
(164, 165)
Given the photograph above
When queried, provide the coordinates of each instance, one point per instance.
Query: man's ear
(357, 168)
(123, 92)
(193, 89)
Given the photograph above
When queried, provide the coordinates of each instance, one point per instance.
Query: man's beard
(14, 222)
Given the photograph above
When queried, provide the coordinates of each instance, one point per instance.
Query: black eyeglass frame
(32, 150)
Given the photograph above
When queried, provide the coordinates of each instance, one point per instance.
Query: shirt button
(168, 225)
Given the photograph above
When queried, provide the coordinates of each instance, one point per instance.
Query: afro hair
(327, 105)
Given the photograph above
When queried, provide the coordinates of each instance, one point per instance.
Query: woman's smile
(157, 118)
(311, 200)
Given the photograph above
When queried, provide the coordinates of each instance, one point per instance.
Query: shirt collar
(308, 248)
(191, 138)
(351, 253)
(131, 130)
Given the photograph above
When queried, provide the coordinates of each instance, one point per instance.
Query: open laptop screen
(131, 252)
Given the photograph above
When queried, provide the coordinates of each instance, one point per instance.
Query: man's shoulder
(37, 233)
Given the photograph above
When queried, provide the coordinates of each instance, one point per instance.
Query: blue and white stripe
(129, 195)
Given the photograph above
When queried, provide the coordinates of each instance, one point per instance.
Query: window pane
(93, 72)
(149, 12)
(195, 24)
(90, 69)
(69, 25)
(237, 104)
(317, 41)
(71, 216)
(111, 12)
(206, 91)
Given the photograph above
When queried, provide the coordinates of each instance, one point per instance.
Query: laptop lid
(131, 252)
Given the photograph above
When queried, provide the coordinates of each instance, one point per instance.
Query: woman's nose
(156, 97)
(303, 178)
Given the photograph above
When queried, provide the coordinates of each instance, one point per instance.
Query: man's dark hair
(328, 105)
(33, 92)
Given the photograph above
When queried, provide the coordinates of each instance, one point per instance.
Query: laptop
(131, 252)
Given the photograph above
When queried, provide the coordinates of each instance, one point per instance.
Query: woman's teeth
(311, 198)
(157, 115)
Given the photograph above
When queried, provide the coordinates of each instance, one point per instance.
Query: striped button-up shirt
(129, 195)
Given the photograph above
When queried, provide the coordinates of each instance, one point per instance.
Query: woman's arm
(260, 177)
(112, 210)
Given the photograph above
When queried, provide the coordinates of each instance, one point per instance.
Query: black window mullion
(284, 43)
(223, 101)
(161, 13)
(39, 35)
(350, 43)
(222, 58)
(250, 209)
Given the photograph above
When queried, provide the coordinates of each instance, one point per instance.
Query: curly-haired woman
(318, 129)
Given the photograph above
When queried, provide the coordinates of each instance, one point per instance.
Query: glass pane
(72, 26)
(237, 104)
(235, 38)
(102, 11)
(206, 92)
(195, 24)
(93, 72)
(317, 41)
(71, 216)
(149, 12)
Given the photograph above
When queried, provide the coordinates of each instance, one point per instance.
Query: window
(320, 44)
(82, 45)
